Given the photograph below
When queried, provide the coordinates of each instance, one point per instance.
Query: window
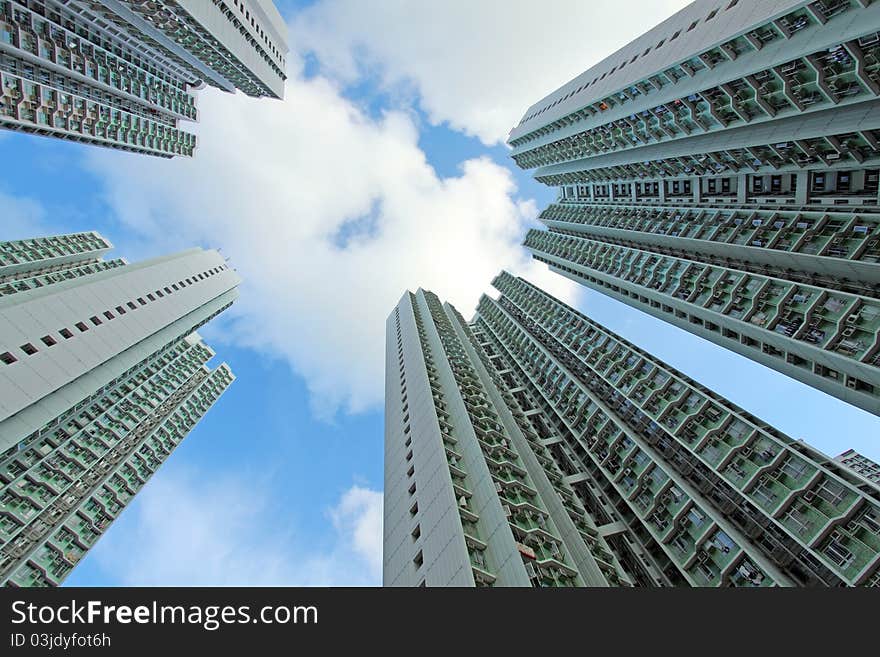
(832, 492)
(131, 305)
(141, 301)
(8, 358)
(120, 310)
(794, 467)
(151, 297)
(66, 334)
(696, 516)
(82, 327)
(414, 509)
(29, 349)
(167, 290)
(94, 319)
(416, 532)
(837, 552)
(159, 294)
(49, 341)
(109, 315)
(418, 560)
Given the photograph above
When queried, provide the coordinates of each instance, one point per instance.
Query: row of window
(43, 248)
(766, 348)
(8, 358)
(418, 559)
(693, 25)
(67, 30)
(247, 14)
(819, 182)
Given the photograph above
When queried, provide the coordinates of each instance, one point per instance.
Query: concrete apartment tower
(721, 173)
(101, 376)
(121, 73)
(532, 446)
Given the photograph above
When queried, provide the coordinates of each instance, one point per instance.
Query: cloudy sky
(383, 169)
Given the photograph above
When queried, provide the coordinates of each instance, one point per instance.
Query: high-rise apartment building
(532, 446)
(721, 173)
(121, 73)
(101, 376)
(860, 464)
(472, 497)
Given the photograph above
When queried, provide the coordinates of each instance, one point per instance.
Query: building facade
(860, 464)
(101, 376)
(471, 496)
(122, 73)
(532, 446)
(721, 173)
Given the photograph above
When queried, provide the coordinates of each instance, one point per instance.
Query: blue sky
(384, 168)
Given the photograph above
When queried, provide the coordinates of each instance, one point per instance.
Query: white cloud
(193, 530)
(476, 65)
(21, 218)
(358, 516)
(329, 215)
